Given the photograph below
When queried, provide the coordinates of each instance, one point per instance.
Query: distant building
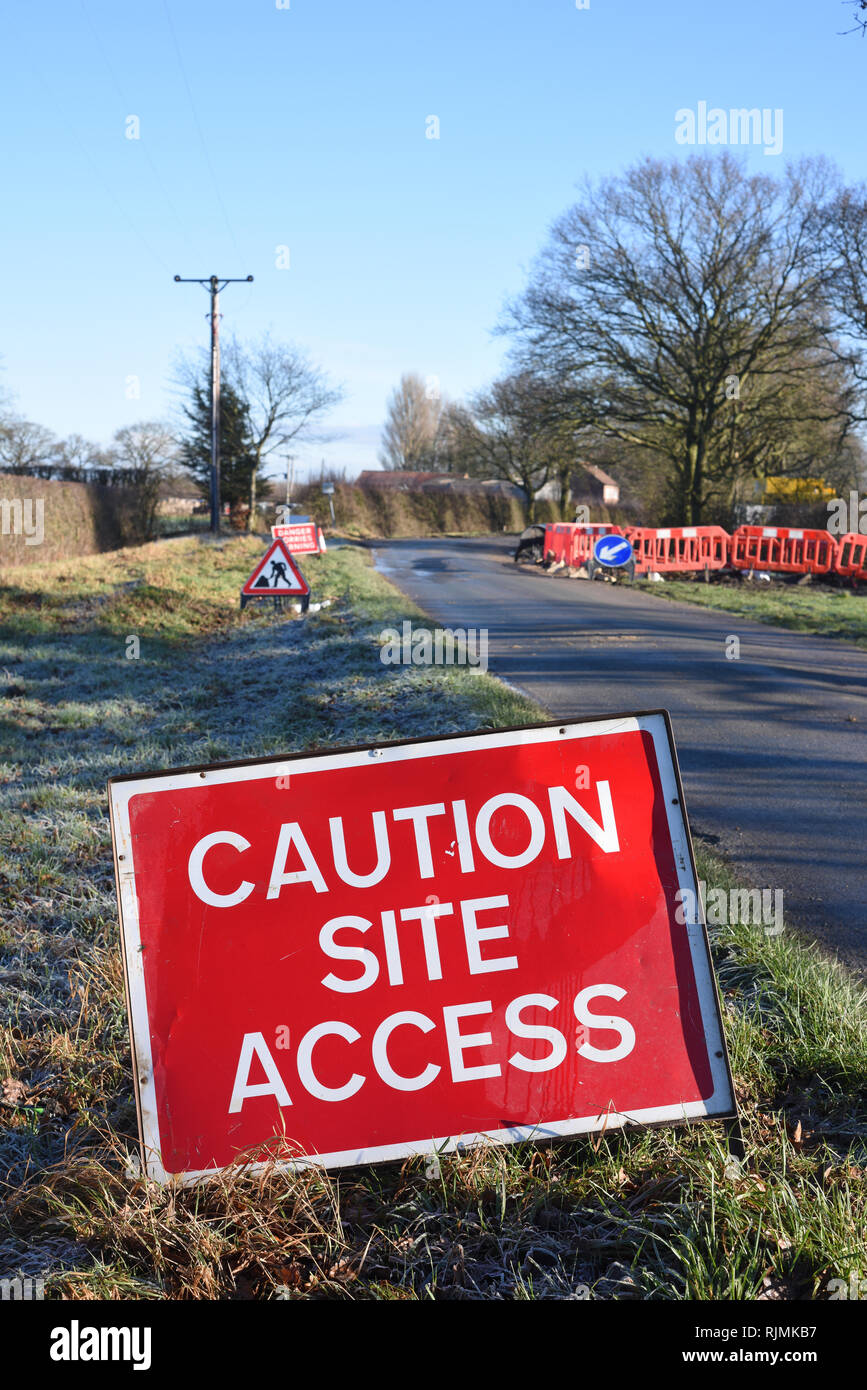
(179, 496)
(588, 486)
(592, 487)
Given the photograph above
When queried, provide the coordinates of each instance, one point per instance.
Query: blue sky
(263, 127)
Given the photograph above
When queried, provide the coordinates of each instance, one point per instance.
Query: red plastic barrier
(572, 541)
(852, 555)
(558, 541)
(584, 537)
(784, 550)
(679, 549)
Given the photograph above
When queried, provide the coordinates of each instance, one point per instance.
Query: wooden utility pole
(214, 284)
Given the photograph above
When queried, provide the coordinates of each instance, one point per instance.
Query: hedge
(76, 519)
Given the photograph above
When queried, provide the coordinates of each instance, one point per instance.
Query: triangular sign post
(276, 576)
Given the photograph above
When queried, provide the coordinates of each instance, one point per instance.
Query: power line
(124, 99)
(199, 129)
(65, 124)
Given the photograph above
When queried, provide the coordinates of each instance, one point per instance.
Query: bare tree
(841, 226)
(147, 453)
(5, 394)
(669, 290)
(454, 448)
(410, 431)
(282, 395)
(80, 460)
(789, 425)
(26, 447)
(286, 398)
(510, 433)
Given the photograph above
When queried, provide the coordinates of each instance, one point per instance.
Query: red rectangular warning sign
(363, 954)
(301, 538)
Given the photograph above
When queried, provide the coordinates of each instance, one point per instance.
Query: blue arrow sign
(612, 550)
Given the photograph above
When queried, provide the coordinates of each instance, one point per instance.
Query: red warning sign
(276, 576)
(300, 538)
(359, 955)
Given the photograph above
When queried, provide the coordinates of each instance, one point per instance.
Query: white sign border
(249, 593)
(720, 1105)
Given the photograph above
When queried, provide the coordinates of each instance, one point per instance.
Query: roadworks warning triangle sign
(276, 575)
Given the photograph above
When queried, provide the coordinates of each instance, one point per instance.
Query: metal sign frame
(248, 594)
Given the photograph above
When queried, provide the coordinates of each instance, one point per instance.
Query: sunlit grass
(818, 608)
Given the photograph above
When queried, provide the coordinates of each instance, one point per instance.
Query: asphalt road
(771, 746)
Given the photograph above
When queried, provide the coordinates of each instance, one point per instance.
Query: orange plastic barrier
(678, 549)
(584, 537)
(572, 541)
(783, 549)
(852, 555)
(558, 541)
